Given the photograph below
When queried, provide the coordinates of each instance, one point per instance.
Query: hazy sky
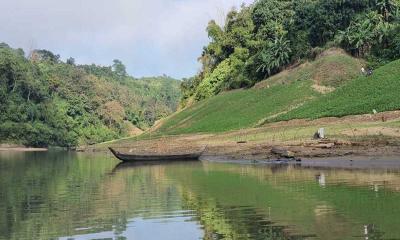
(152, 37)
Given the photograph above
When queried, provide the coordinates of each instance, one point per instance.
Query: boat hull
(150, 158)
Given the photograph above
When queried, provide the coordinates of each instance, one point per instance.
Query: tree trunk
(14, 86)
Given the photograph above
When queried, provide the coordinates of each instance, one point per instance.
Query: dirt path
(356, 119)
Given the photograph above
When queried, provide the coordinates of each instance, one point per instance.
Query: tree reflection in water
(51, 195)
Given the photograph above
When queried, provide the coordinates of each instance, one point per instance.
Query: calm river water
(79, 196)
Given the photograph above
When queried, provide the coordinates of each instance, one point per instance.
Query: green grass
(270, 98)
(290, 96)
(381, 92)
(238, 109)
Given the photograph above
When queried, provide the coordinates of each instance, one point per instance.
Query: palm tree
(264, 65)
(281, 51)
(274, 56)
(365, 32)
(387, 8)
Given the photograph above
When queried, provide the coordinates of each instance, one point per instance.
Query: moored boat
(127, 157)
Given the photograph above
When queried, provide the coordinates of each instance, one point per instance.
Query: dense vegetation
(275, 96)
(266, 37)
(295, 94)
(44, 101)
(284, 47)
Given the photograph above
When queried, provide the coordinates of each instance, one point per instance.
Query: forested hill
(44, 101)
(264, 38)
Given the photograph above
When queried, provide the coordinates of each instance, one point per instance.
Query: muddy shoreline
(304, 151)
(264, 152)
(19, 148)
(347, 162)
(23, 149)
(367, 136)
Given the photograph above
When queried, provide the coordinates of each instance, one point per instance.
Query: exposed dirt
(264, 151)
(324, 74)
(373, 131)
(239, 145)
(322, 89)
(132, 129)
(263, 121)
(379, 117)
(255, 150)
(332, 51)
(4, 148)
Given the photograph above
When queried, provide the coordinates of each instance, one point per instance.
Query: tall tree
(71, 61)
(387, 8)
(119, 68)
(45, 55)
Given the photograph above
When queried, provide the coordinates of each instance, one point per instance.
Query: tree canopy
(44, 101)
(264, 38)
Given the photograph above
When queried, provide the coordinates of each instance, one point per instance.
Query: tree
(271, 18)
(47, 102)
(4, 45)
(238, 32)
(71, 61)
(113, 113)
(322, 19)
(274, 56)
(387, 8)
(365, 32)
(45, 55)
(119, 68)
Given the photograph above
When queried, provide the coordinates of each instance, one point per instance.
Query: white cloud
(152, 37)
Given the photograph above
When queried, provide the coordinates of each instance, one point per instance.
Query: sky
(151, 37)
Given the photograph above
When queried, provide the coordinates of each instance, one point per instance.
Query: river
(60, 195)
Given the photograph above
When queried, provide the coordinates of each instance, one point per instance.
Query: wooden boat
(125, 157)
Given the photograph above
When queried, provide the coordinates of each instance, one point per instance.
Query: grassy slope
(380, 91)
(238, 109)
(331, 69)
(247, 108)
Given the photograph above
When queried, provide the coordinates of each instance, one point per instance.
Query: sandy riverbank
(362, 135)
(20, 148)
(254, 150)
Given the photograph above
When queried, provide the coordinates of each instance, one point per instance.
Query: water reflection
(78, 196)
(155, 229)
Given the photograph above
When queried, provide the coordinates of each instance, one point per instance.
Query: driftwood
(324, 145)
(283, 152)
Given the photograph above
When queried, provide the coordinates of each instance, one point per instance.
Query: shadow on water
(126, 165)
(59, 195)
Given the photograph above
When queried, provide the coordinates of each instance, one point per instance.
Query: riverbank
(362, 135)
(20, 148)
(256, 150)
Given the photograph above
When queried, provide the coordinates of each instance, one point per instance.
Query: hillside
(266, 37)
(44, 101)
(378, 92)
(330, 69)
(268, 99)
